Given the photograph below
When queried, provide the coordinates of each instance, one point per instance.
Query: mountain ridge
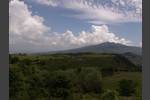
(106, 47)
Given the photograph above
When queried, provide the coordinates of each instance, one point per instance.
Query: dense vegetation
(82, 76)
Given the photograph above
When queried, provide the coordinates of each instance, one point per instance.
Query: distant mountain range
(133, 54)
(107, 47)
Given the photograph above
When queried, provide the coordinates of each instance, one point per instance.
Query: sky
(49, 25)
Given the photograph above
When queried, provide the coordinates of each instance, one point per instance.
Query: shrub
(110, 95)
(126, 87)
(90, 80)
(26, 61)
(13, 59)
(59, 85)
(16, 81)
(107, 71)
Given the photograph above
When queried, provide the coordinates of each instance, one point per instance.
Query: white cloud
(24, 25)
(68, 40)
(52, 3)
(140, 44)
(27, 33)
(135, 5)
(114, 11)
(103, 14)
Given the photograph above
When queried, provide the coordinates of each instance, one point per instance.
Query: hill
(75, 60)
(135, 59)
(107, 47)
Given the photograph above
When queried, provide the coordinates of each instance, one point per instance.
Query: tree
(110, 95)
(59, 85)
(13, 59)
(16, 84)
(126, 87)
(26, 61)
(107, 71)
(90, 80)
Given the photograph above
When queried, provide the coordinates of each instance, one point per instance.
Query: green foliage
(90, 80)
(17, 84)
(59, 85)
(65, 76)
(26, 61)
(126, 87)
(110, 95)
(120, 58)
(107, 71)
(13, 59)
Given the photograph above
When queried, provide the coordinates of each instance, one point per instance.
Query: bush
(59, 85)
(90, 80)
(16, 81)
(107, 71)
(26, 61)
(110, 95)
(126, 87)
(13, 59)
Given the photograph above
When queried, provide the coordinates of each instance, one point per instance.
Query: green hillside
(62, 61)
(81, 76)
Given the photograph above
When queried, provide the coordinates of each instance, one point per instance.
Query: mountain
(107, 47)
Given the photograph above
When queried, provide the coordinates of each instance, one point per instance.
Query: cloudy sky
(48, 25)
